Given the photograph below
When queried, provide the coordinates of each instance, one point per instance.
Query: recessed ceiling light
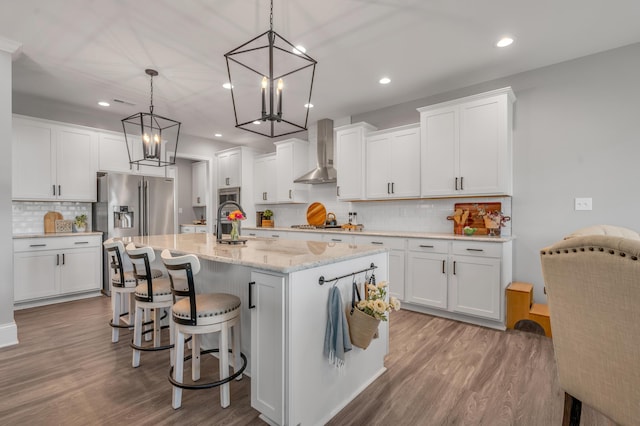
(227, 86)
(385, 80)
(299, 49)
(218, 135)
(104, 104)
(308, 105)
(504, 42)
(256, 122)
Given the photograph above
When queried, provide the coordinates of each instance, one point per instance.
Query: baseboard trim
(8, 334)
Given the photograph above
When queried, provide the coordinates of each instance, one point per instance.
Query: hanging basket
(362, 327)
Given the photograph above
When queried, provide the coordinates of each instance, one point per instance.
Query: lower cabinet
(456, 276)
(56, 266)
(397, 257)
(266, 303)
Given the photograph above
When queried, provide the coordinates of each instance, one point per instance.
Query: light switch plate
(584, 204)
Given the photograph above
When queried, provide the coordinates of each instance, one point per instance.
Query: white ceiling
(83, 51)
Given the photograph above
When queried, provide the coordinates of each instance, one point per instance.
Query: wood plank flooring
(66, 371)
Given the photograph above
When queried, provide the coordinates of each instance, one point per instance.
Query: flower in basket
(375, 302)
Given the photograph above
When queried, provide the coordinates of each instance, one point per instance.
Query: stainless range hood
(324, 171)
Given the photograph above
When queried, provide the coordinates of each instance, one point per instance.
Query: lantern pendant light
(262, 72)
(146, 133)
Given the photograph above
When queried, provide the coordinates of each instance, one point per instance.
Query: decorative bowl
(468, 230)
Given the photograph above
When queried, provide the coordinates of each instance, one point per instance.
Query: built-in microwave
(227, 194)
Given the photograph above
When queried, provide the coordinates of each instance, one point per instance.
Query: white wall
(576, 134)
(8, 329)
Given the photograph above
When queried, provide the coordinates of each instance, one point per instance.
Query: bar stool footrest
(209, 384)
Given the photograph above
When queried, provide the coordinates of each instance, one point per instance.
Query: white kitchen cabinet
(199, 184)
(350, 160)
(230, 168)
(266, 303)
(292, 161)
(264, 179)
(53, 161)
(397, 261)
(475, 286)
(187, 229)
(393, 163)
(427, 271)
(51, 267)
(466, 146)
(113, 156)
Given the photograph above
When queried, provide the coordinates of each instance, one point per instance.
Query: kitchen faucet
(219, 218)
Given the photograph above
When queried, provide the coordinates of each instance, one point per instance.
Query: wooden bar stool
(150, 293)
(198, 314)
(121, 301)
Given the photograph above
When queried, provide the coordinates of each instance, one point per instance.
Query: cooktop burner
(315, 227)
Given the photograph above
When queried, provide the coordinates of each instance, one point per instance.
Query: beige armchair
(592, 279)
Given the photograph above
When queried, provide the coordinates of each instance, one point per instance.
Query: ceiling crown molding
(11, 47)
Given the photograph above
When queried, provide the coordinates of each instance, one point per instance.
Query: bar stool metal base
(210, 384)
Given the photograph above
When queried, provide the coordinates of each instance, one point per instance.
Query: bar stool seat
(196, 315)
(122, 303)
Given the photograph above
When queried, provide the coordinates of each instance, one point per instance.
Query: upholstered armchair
(592, 278)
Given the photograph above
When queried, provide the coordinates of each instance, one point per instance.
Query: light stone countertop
(397, 234)
(276, 255)
(56, 234)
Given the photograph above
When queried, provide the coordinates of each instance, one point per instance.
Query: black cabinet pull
(275, 236)
(378, 243)
(63, 258)
(251, 305)
(454, 267)
(337, 191)
(37, 245)
(462, 183)
(252, 235)
(54, 190)
(443, 262)
(423, 246)
(393, 191)
(469, 249)
(456, 184)
(59, 190)
(388, 188)
(81, 242)
(337, 240)
(57, 259)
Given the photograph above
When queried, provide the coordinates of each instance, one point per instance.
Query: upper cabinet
(53, 161)
(350, 164)
(393, 163)
(292, 161)
(113, 156)
(264, 179)
(229, 168)
(466, 146)
(199, 184)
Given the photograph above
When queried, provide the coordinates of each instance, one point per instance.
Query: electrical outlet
(584, 204)
(179, 210)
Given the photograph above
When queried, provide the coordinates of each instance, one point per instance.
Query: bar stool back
(150, 293)
(198, 314)
(122, 303)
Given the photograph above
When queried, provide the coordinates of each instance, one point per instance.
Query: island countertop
(276, 255)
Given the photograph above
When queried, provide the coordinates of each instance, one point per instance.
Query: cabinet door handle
(59, 191)
(63, 258)
(388, 186)
(57, 259)
(337, 191)
(423, 246)
(443, 263)
(456, 183)
(290, 194)
(462, 183)
(470, 249)
(252, 235)
(226, 181)
(337, 240)
(37, 245)
(378, 243)
(454, 267)
(393, 191)
(198, 200)
(54, 189)
(275, 236)
(251, 305)
(81, 242)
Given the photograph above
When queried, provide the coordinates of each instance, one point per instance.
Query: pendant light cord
(151, 106)
(271, 16)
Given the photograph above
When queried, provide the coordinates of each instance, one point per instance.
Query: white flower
(382, 284)
(395, 303)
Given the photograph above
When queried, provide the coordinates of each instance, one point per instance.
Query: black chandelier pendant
(271, 84)
(149, 135)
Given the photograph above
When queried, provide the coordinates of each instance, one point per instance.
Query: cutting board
(474, 220)
(316, 214)
(50, 221)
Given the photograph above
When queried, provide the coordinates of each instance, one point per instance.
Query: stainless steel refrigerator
(132, 205)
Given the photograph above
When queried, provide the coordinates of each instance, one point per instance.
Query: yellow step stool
(520, 307)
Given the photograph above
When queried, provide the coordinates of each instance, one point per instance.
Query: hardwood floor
(440, 372)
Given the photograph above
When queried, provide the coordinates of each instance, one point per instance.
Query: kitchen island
(284, 316)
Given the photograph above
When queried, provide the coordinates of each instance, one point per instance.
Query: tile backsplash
(28, 216)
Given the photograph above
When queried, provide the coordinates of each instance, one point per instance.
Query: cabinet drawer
(477, 249)
(389, 242)
(429, 245)
(55, 243)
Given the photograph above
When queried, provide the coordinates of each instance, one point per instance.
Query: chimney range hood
(324, 171)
